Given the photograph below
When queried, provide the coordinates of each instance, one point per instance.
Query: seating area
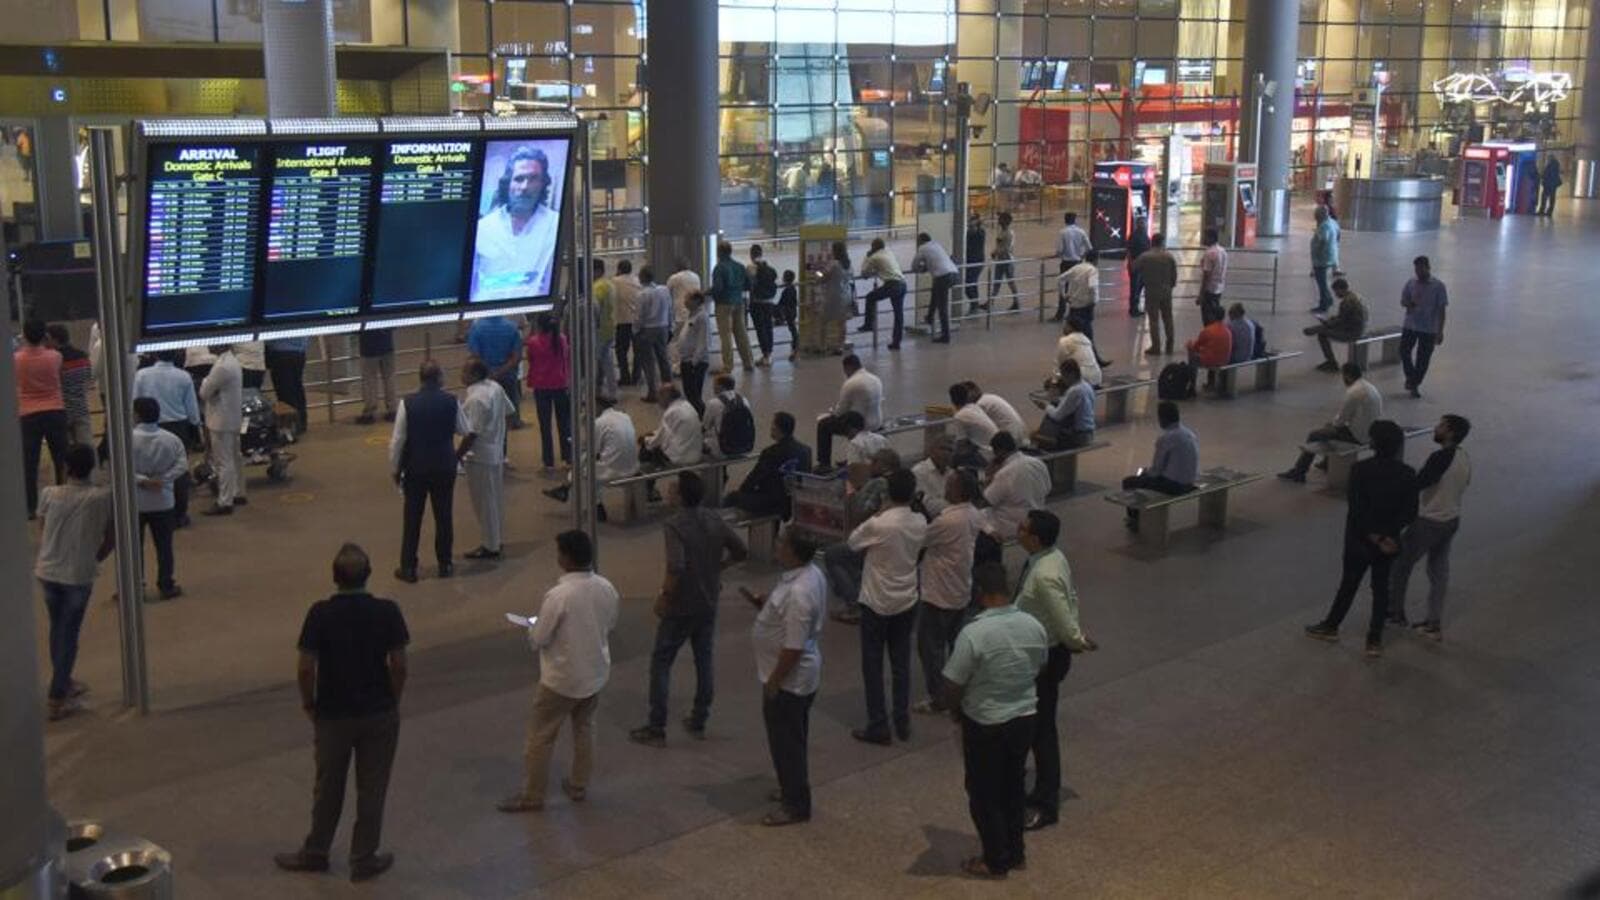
(1064, 465)
(635, 488)
(1210, 493)
(1266, 369)
(1115, 390)
(1341, 456)
(1387, 340)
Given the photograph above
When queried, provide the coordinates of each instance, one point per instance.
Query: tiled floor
(1212, 751)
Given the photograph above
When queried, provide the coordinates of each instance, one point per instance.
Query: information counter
(1389, 204)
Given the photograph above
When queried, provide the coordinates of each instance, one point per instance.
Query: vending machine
(1498, 177)
(1119, 203)
(1230, 202)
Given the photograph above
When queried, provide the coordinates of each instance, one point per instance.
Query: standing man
(1213, 270)
(352, 672)
(946, 581)
(1175, 464)
(1383, 500)
(572, 635)
(975, 244)
(729, 281)
(1072, 247)
(173, 390)
(75, 534)
(932, 260)
(1138, 245)
(1017, 483)
(159, 460)
(763, 301)
(376, 348)
(787, 636)
(76, 377)
(1550, 181)
(891, 544)
(1442, 481)
(286, 362)
(1348, 323)
(680, 284)
(1158, 274)
(1003, 270)
(1324, 257)
(861, 392)
(1362, 405)
(699, 546)
(498, 342)
(1080, 290)
(1045, 591)
(486, 408)
(40, 406)
(625, 289)
(652, 324)
(222, 392)
(604, 314)
(882, 265)
(692, 347)
(1424, 300)
(423, 460)
(989, 687)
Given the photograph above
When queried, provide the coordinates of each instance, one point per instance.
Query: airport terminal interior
(1209, 748)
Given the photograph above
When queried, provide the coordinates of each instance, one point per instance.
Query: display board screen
(202, 218)
(519, 193)
(424, 217)
(317, 218)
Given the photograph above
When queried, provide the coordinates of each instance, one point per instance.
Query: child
(789, 309)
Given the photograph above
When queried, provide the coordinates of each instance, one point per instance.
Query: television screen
(202, 214)
(520, 186)
(423, 219)
(1058, 82)
(317, 215)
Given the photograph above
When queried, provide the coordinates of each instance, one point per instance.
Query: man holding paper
(571, 634)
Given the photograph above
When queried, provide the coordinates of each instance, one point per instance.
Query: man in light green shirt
(605, 327)
(1045, 592)
(989, 684)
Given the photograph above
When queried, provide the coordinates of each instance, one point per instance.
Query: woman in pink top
(40, 408)
(547, 377)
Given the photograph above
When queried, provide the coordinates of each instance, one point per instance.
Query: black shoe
(600, 512)
(409, 576)
(1322, 633)
(218, 511)
(1374, 650)
(894, 346)
(866, 329)
(697, 730)
(940, 340)
(557, 493)
(301, 861)
(482, 553)
(1294, 475)
(446, 569)
(1415, 394)
(1015, 306)
(902, 730)
(649, 735)
(1135, 313)
(1328, 367)
(866, 737)
(1036, 818)
(241, 501)
(783, 816)
(1104, 363)
(371, 867)
(170, 593)
(183, 522)
(389, 417)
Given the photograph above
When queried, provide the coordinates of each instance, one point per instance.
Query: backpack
(1259, 351)
(766, 283)
(1174, 381)
(736, 434)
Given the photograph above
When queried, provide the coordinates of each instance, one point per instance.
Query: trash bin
(105, 866)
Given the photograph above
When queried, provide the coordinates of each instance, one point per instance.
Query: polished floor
(1211, 749)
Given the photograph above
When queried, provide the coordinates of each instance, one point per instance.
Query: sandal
(975, 867)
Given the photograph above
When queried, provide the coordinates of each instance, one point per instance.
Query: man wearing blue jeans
(699, 545)
(75, 535)
(1424, 299)
(1324, 257)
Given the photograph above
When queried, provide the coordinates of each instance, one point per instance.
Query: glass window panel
(746, 130)
(805, 129)
(1158, 40)
(865, 26)
(1067, 38)
(1113, 38)
(747, 80)
(975, 36)
(472, 75)
(605, 28)
(806, 26)
(922, 35)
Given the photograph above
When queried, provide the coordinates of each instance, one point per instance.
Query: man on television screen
(516, 239)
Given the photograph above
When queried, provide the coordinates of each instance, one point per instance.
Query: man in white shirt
(930, 474)
(487, 409)
(861, 392)
(882, 265)
(862, 445)
(222, 393)
(787, 638)
(572, 635)
(159, 460)
(1080, 291)
(891, 542)
(946, 580)
(692, 347)
(1213, 270)
(677, 441)
(681, 284)
(625, 289)
(999, 410)
(1017, 483)
(616, 451)
(974, 429)
(1362, 405)
(514, 250)
(935, 261)
(1076, 346)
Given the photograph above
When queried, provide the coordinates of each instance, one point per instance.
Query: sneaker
(649, 735)
(1322, 633)
(867, 737)
(697, 730)
(1293, 475)
(1428, 630)
(482, 553)
(1374, 650)
(409, 576)
(301, 861)
(371, 867)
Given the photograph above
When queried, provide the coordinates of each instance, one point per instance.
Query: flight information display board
(424, 215)
(202, 219)
(317, 215)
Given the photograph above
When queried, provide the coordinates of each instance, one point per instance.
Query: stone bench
(1064, 465)
(1342, 455)
(760, 533)
(1116, 391)
(1210, 491)
(931, 426)
(635, 488)
(1388, 341)
(1266, 373)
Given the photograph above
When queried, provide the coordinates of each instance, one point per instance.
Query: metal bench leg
(1339, 465)
(1153, 527)
(1390, 353)
(1267, 376)
(1358, 354)
(1225, 385)
(1117, 408)
(716, 477)
(762, 539)
(1063, 474)
(635, 497)
(1214, 509)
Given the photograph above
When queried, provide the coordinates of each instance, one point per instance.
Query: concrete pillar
(682, 184)
(1584, 169)
(1271, 41)
(297, 42)
(32, 838)
(56, 171)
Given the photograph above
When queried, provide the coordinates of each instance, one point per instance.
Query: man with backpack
(729, 426)
(763, 301)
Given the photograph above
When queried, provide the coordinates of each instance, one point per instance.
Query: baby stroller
(262, 440)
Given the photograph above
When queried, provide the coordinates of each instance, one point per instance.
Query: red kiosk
(1498, 177)
(1119, 203)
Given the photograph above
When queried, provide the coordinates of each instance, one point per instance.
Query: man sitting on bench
(763, 492)
(677, 442)
(1347, 324)
(1362, 406)
(1176, 463)
(974, 428)
(862, 393)
(616, 451)
(1211, 348)
(1069, 422)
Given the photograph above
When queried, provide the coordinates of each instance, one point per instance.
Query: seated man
(930, 474)
(861, 445)
(1176, 463)
(999, 410)
(973, 427)
(764, 491)
(1347, 323)
(616, 451)
(1017, 483)
(1362, 405)
(841, 564)
(677, 442)
(729, 427)
(1069, 422)
(1245, 334)
(1076, 346)
(1211, 348)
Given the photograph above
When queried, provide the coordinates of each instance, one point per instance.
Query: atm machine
(1498, 177)
(1119, 203)
(1230, 202)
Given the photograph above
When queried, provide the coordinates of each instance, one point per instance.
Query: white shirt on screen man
(1022, 483)
(616, 446)
(890, 541)
(862, 392)
(511, 262)
(572, 634)
(1003, 414)
(679, 436)
(487, 407)
(791, 619)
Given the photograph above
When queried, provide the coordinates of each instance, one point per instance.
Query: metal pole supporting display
(585, 345)
(119, 422)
